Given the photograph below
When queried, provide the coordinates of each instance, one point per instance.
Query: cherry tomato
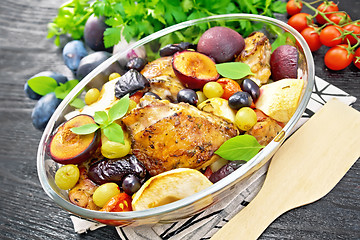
(352, 28)
(299, 21)
(338, 58)
(339, 18)
(208, 172)
(136, 96)
(312, 38)
(330, 36)
(293, 7)
(326, 7)
(357, 58)
(118, 203)
(230, 87)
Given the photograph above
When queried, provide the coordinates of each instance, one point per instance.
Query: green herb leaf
(85, 129)
(233, 70)
(101, 117)
(42, 85)
(114, 133)
(242, 147)
(120, 108)
(77, 103)
(282, 39)
(63, 90)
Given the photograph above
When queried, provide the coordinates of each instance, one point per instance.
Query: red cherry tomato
(326, 7)
(230, 87)
(312, 38)
(338, 58)
(330, 36)
(339, 18)
(299, 21)
(136, 96)
(357, 58)
(352, 28)
(293, 7)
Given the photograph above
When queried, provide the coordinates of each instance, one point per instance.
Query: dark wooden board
(26, 212)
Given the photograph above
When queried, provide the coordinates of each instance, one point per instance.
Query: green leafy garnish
(105, 121)
(233, 70)
(282, 38)
(43, 85)
(242, 147)
(137, 19)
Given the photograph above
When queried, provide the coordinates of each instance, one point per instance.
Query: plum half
(194, 69)
(66, 147)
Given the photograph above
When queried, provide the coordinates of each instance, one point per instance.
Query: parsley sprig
(137, 19)
(105, 121)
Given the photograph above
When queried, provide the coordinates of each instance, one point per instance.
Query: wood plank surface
(26, 212)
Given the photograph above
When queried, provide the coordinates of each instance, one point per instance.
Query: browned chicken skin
(265, 131)
(166, 136)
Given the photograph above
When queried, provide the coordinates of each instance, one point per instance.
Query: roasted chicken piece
(81, 194)
(162, 78)
(166, 136)
(264, 131)
(256, 54)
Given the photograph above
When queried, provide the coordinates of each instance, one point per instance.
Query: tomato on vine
(352, 28)
(293, 7)
(312, 38)
(331, 36)
(338, 57)
(326, 7)
(300, 21)
(357, 58)
(339, 18)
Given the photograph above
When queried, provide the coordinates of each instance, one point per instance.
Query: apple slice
(169, 187)
(279, 99)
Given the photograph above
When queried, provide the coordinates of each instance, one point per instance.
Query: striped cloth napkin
(204, 225)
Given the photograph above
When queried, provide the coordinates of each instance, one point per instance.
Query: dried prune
(114, 170)
(136, 63)
(170, 49)
(225, 170)
(130, 82)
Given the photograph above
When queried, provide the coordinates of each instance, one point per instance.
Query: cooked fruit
(225, 170)
(188, 96)
(194, 69)
(167, 136)
(66, 147)
(67, 176)
(245, 118)
(170, 49)
(284, 62)
(219, 107)
(104, 193)
(249, 86)
(169, 187)
(239, 100)
(221, 43)
(279, 100)
(129, 83)
(256, 54)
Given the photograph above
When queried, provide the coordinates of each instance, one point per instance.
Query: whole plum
(284, 62)
(221, 43)
(72, 53)
(94, 33)
(43, 110)
(59, 78)
(91, 61)
(226, 170)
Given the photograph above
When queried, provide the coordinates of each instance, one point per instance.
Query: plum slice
(66, 147)
(194, 69)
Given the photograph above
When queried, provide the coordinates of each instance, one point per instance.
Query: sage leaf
(85, 129)
(101, 117)
(42, 85)
(242, 147)
(119, 109)
(114, 133)
(233, 70)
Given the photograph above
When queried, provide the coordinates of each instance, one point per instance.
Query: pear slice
(169, 187)
(279, 99)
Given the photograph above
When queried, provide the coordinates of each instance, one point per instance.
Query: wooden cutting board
(308, 165)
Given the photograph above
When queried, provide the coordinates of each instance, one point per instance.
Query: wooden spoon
(308, 165)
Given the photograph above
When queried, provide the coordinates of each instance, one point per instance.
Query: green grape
(132, 105)
(245, 118)
(114, 75)
(110, 149)
(213, 89)
(92, 96)
(104, 193)
(201, 97)
(67, 176)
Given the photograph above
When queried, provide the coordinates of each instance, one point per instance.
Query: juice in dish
(153, 132)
